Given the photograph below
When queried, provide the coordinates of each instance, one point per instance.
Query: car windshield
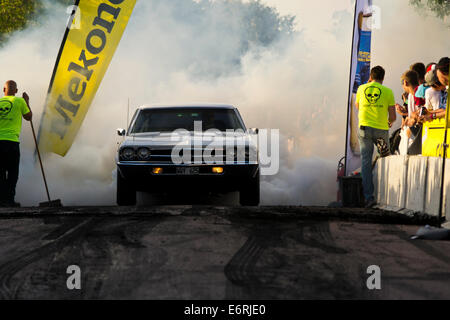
(166, 120)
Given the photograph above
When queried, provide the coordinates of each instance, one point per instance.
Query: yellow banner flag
(86, 52)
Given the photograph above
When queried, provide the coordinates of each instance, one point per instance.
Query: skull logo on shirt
(5, 108)
(373, 94)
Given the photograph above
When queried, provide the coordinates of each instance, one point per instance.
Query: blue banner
(359, 74)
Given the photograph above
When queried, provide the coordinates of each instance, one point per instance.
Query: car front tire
(126, 194)
(249, 195)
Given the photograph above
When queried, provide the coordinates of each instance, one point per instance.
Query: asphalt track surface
(198, 252)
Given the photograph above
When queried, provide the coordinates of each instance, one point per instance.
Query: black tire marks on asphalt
(108, 253)
(317, 235)
(240, 270)
(89, 242)
(252, 277)
(11, 268)
(321, 264)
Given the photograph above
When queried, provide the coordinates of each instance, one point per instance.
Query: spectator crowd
(424, 99)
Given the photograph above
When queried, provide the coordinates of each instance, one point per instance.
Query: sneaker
(370, 204)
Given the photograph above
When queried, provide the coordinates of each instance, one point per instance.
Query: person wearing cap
(433, 97)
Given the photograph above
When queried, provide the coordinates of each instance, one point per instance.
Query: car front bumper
(140, 176)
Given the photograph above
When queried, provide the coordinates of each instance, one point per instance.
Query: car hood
(161, 140)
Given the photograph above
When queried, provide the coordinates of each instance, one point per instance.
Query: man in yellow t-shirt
(12, 109)
(376, 106)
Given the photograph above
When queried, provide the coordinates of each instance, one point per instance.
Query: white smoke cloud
(170, 55)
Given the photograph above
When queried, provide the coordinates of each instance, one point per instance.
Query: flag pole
(350, 89)
(444, 157)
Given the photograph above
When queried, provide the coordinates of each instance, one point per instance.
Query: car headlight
(127, 154)
(144, 153)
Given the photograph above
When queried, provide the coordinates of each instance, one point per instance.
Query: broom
(49, 203)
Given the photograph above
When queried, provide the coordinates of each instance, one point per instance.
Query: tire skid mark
(63, 228)
(9, 269)
(313, 236)
(98, 251)
(322, 238)
(241, 269)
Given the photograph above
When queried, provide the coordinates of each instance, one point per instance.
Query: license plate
(188, 171)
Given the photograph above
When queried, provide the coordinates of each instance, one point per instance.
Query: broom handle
(40, 161)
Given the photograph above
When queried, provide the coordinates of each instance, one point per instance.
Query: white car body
(210, 160)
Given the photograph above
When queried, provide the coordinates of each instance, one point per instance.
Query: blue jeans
(368, 138)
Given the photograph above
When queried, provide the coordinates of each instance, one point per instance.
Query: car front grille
(197, 156)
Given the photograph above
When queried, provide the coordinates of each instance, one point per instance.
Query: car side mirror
(253, 131)
(121, 132)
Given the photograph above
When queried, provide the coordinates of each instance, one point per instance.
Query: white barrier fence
(412, 183)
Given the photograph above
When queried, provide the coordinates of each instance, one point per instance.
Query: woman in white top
(433, 97)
